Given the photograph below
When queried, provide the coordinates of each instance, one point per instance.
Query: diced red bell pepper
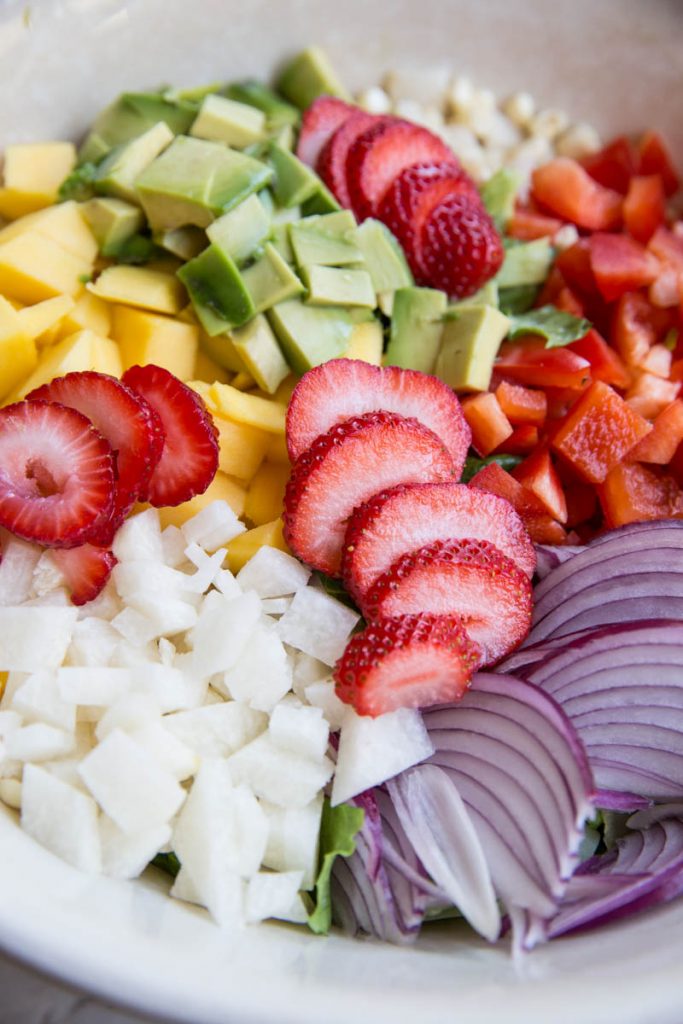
(655, 158)
(567, 190)
(520, 404)
(538, 474)
(527, 225)
(644, 207)
(529, 362)
(657, 361)
(676, 465)
(660, 445)
(575, 266)
(542, 528)
(620, 265)
(650, 395)
(632, 493)
(604, 361)
(568, 302)
(667, 247)
(551, 288)
(521, 441)
(676, 372)
(614, 165)
(487, 421)
(633, 328)
(582, 503)
(597, 432)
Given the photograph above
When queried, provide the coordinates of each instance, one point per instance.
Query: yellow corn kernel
(245, 546)
(33, 268)
(142, 287)
(367, 341)
(45, 316)
(266, 493)
(18, 356)
(205, 369)
(250, 409)
(277, 451)
(221, 488)
(79, 351)
(242, 448)
(63, 224)
(149, 338)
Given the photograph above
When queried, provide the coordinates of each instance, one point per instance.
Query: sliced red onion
(609, 800)
(549, 556)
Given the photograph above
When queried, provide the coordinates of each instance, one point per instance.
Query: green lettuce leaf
(474, 464)
(79, 184)
(519, 299)
(338, 829)
(556, 327)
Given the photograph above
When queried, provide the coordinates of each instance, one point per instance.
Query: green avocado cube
(310, 335)
(338, 286)
(383, 257)
(327, 241)
(223, 120)
(295, 182)
(498, 195)
(195, 181)
(525, 264)
(469, 345)
(308, 76)
(280, 240)
(185, 243)
(416, 328)
(118, 172)
(221, 348)
(219, 296)
(112, 221)
(131, 115)
(242, 230)
(270, 280)
(322, 201)
(257, 347)
(277, 111)
(177, 112)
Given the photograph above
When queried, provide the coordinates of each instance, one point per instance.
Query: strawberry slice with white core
(409, 661)
(86, 570)
(468, 578)
(189, 459)
(56, 474)
(343, 388)
(125, 419)
(347, 465)
(331, 165)
(405, 518)
(318, 124)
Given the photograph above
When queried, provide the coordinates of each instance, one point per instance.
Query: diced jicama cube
(167, 651)
(278, 775)
(135, 627)
(167, 615)
(35, 638)
(263, 673)
(217, 730)
(93, 642)
(293, 836)
(92, 686)
(139, 538)
(10, 793)
(275, 605)
(10, 721)
(207, 566)
(138, 580)
(317, 624)
(19, 559)
(302, 730)
(130, 712)
(184, 888)
(127, 655)
(129, 785)
(66, 769)
(172, 754)
(227, 584)
(173, 689)
(9, 767)
(105, 606)
(61, 819)
(272, 894)
(322, 695)
(14, 681)
(174, 544)
(46, 575)
(54, 599)
(273, 573)
(372, 750)
(223, 631)
(38, 742)
(39, 700)
(126, 855)
(213, 527)
(308, 670)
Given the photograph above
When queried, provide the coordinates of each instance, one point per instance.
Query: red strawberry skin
(347, 465)
(409, 661)
(381, 153)
(86, 570)
(56, 474)
(406, 518)
(331, 165)
(468, 578)
(189, 459)
(459, 249)
(343, 388)
(125, 419)
(318, 124)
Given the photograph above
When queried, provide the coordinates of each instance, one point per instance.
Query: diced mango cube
(277, 451)
(44, 316)
(266, 493)
(367, 342)
(18, 356)
(88, 314)
(106, 356)
(140, 286)
(33, 268)
(242, 448)
(39, 167)
(80, 351)
(243, 381)
(15, 204)
(284, 392)
(250, 409)
(63, 223)
(245, 546)
(205, 369)
(149, 338)
(221, 488)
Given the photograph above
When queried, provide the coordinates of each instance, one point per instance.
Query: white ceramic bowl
(616, 63)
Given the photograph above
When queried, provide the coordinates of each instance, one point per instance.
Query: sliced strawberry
(543, 529)
(410, 661)
(189, 459)
(86, 570)
(56, 474)
(331, 165)
(459, 248)
(406, 518)
(469, 578)
(345, 467)
(342, 388)
(319, 122)
(381, 153)
(126, 420)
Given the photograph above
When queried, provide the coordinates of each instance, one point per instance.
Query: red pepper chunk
(605, 363)
(620, 265)
(542, 528)
(527, 361)
(660, 445)
(656, 159)
(597, 432)
(522, 405)
(644, 207)
(538, 474)
(633, 493)
(567, 190)
(614, 165)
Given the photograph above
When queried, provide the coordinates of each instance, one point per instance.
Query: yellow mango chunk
(245, 546)
(33, 268)
(106, 356)
(366, 343)
(142, 287)
(15, 204)
(63, 223)
(149, 338)
(242, 448)
(250, 409)
(243, 381)
(39, 167)
(221, 488)
(89, 313)
(42, 317)
(284, 392)
(266, 493)
(277, 451)
(205, 369)
(18, 355)
(80, 351)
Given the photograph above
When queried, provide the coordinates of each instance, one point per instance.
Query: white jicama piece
(275, 605)
(278, 775)
(171, 688)
(167, 750)
(372, 750)
(227, 584)
(174, 544)
(54, 599)
(61, 818)
(207, 566)
(35, 638)
(139, 580)
(223, 631)
(317, 624)
(91, 686)
(17, 566)
(132, 711)
(303, 730)
(293, 838)
(46, 575)
(127, 855)
(263, 674)
(38, 742)
(129, 785)
(66, 769)
(10, 793)
(135, 627)
(130, 656)
(273, 573)
(217, 730)
(10, 721)
(93, 642)
(39, 700)
(271, 895)
(105, 606)
(213, 527)
(168, 615)
(139, 538)
(308, 670)
(184, 888)
(322, 695)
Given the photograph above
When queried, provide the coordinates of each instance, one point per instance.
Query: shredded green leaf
(556, 327)
(168, 863)
(134, 250)
(473, 464)
(513, 301)
(338, 829)
(335, 588)
(79, 184)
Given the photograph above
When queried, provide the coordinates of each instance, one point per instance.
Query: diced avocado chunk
(526, 263)
(243, 229)
(309, 75)
(219, 295)
(118, 172)
(469, 346)
(259, 351)
(178, 112)
(486, 296)
(328, 241)
(257, 95)
(195, 181)
(270, 280)
(338, 286)
(185, 243)
(498, 195)
(322, 201)
(310, 335)
(295, 182)
(383, 258)
(416, 328)
(131, 115)
(223, 120)
(280, 240)
(112, 221)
